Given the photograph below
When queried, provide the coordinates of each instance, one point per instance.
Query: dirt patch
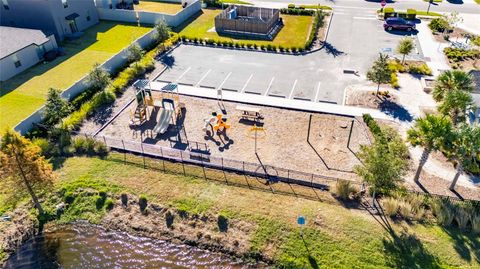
(453, 36)
(15, 232)
(368, 99)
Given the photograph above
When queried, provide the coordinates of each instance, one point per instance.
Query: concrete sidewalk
(276, 102)
(471, 23)
(432, 50)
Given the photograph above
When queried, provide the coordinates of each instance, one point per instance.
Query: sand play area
(282, 142)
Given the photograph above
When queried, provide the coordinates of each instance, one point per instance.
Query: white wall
(28, 57)
(150, 17)
(81, 85)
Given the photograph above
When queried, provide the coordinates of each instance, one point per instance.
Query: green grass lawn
(23, 94)
(293, 34)
(159, 6)
(336, 236)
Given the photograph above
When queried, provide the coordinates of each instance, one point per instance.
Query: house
(474, 114)
(21, 48)
(63, 18)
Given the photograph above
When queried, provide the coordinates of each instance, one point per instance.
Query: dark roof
(72, 16)
(476, 78)
(14, 39)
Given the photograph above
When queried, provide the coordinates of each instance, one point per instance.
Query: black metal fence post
(163, 159)
(203, 167)
(124, 153)
(183, 165)
(223, 170)
(143, 155)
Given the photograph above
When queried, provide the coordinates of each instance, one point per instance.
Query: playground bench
(249, 112)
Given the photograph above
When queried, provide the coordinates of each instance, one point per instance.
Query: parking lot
(354, 42)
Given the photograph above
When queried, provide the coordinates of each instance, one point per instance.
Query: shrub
(421, 69)
(109, 204)
(461, 217)
(443, 211)
(291, 6)
(388, 12)
(103, 194)
(411, 14)
(43, 144)
(390, 206)
(99, 201)
(476, 223)
(343, 189)
(372, 124)
(269, 47)
(439, 25)
(396, 66)
(69, 197)
(317, 23)
(405, 210)
(101, 149)
(394, 80)
(142, 202)
(262, 47)
(222, 223)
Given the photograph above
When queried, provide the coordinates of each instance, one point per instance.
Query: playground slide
(164, 121)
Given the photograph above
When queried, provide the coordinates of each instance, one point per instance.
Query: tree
(98, 78)
(405, 46)
(465, 148)
(135, 53)
(23, 167)
(163, 31)
(456, 104)
(379, 72)
(430, 132)
(56, 107)
(384, 163)
(452, 80)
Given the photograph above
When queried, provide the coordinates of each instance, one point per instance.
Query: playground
(300, 141)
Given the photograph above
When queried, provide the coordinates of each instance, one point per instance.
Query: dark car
(398, 24)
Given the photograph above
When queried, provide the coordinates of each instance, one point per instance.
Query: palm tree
(430, 132)
(452, 80)
(455, 104)
(466, 148)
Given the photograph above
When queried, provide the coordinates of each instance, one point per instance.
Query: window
(16, 61)
(65, 3)
(5, 4)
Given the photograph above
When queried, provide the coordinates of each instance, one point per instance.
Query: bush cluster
(439, 25)
(410, 207)
(458, 54)
(299, 11)
(372, 124)
(344, 189)
(88, 146)
(317, 23)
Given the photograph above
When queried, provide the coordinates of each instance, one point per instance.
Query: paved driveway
(354, 41)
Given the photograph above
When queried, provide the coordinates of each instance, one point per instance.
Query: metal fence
(195, 154)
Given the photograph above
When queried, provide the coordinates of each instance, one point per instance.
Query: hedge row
(317, 23)
(108, 95)
(372, 125)
(411, 14)
(241, 45)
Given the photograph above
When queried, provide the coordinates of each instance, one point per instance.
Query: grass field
(159, 6)
(293, 34)
(334, 237)
(21, 95)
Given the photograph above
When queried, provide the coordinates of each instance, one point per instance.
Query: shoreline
(157, 222)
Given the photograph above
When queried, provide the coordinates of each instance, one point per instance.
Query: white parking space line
(293, 89)
(340, 13)
(180, 77)
(246, 83)
(367, 8)
(364, 18)
(269, 86)
(318, 92)
(225, 80)
(204, 76)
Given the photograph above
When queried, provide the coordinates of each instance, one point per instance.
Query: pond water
(86, 246)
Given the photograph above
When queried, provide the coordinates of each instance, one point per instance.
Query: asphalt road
(446, 6)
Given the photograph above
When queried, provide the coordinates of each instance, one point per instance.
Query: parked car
(398, 24)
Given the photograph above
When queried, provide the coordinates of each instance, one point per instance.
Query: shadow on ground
(395, 110)
(331, 50)
(465, 244)
(406, 251)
